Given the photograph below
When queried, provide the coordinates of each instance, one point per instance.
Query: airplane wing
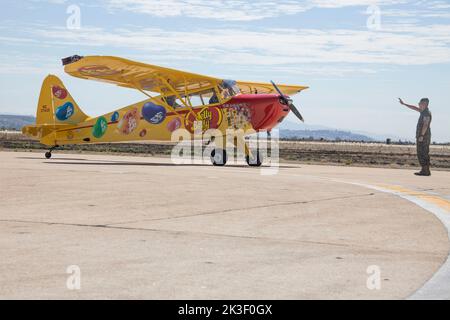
(141, 76)
(267, 88)
(136, 75)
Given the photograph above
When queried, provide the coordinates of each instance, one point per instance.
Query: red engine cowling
(266, 110)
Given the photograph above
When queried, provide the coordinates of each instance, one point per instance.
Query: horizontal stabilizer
(41, 130)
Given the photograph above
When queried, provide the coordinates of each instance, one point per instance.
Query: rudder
(56, 105)
(56, 109)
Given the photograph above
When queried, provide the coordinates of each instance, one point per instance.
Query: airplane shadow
(42, 158)
(91, 162)
(139, 164)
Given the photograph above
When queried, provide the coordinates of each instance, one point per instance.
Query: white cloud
(395, 45)
(231, 10)
(51, 1)
(17, 63)
(354, 3)
(250, 10)
(345, 50)
(234, 10)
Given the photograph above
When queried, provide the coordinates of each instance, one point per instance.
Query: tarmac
(82, 226)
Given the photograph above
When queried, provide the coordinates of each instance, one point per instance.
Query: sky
(357, 57)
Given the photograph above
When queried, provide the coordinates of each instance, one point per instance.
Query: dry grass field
(365, 154)
(338, 153)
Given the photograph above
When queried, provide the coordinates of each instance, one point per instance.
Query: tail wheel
(256, 160)
(219, 157)
(48, 155)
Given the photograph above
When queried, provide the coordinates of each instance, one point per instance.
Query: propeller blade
(296, 112)
(282, 96)
(288, 102)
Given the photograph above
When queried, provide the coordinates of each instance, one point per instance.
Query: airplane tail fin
(56, 110)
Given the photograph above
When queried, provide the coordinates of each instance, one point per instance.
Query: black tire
(255, 162)
(48, 155)
(219, 157)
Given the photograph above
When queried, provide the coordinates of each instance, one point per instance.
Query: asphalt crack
(351, 246)
(280, 204)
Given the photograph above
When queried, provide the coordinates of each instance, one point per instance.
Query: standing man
(423, 135)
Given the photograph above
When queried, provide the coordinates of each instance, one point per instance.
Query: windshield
(230, 88)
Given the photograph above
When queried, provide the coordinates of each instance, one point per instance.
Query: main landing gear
(48, 154)
(219, 157)
(255, 159)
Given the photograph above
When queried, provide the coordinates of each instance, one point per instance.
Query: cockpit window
(173, 102)
(201, 99)
(229, 89)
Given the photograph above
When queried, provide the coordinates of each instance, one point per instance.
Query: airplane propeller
(288, 102)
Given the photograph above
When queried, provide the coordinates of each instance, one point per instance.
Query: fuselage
(152, 121)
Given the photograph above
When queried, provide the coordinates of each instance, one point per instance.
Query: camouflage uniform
(423, 148)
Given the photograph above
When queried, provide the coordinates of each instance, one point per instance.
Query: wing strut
(154, 99)
(184, 101)
(173, 91)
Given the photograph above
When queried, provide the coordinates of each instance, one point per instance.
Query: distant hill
(290, 130)
(13, 122)
(330, 135)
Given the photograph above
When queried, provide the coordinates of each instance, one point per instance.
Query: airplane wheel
(252, 162)
(48, 155)
(219, 157)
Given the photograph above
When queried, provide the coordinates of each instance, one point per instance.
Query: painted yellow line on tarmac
(430, 198)
(437, 287)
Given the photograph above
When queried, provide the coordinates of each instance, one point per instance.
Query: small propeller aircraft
(182, 99)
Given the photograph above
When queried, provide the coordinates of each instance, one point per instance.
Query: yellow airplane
(183, 101)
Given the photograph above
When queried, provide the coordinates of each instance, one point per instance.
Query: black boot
(425, 172)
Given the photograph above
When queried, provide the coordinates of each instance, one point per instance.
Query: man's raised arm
(408, 105)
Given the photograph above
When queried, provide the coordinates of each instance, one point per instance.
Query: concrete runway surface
(140, 227)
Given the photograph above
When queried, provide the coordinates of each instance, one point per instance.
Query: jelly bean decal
(59, 92)
(174, 125)
(153, 113)
(115, 117)
(65, 111)
(143, 133)
(97, 71)
(100, 128)
(129, 122)
(211, 118)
